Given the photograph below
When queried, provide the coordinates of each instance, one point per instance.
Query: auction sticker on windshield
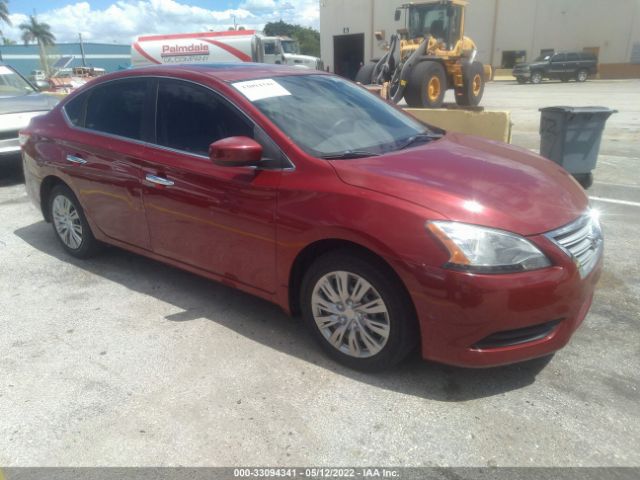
(256, 90)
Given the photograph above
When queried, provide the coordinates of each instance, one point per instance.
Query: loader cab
(442, 19)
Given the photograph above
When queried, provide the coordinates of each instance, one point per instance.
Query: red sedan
(302, 188)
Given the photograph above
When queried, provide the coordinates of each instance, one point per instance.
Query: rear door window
(191, 117)
(118, 108)
(75, 110)
(572, 57)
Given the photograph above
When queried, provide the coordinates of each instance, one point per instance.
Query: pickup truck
(561, 66)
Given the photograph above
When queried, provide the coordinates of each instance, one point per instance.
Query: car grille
(582, 240)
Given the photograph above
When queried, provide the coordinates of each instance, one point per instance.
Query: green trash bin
(571, 136)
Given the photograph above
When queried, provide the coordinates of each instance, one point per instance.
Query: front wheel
(70, 224)
(536, 78)
(427, 85)
(357, 312)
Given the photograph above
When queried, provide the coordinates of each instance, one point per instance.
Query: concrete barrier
(494, 125)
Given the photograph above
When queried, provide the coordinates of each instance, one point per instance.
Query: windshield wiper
(420, 137)
(349, 154)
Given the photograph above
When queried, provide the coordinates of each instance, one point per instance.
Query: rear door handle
(159, 180)
(76, 159)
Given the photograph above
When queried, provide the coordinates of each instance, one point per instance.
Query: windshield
(440, 21)
(328, 116)
(13, 84)
(290, 46)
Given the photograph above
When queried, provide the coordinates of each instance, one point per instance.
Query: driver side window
(190, 118)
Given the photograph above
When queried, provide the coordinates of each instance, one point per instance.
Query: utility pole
(84, 63)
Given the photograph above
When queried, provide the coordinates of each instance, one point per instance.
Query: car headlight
(486, 250)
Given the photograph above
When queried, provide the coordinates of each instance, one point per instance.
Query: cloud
(125, 19)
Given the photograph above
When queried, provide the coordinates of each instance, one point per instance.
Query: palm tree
(33, 31)
(4, 12)
(4, 17)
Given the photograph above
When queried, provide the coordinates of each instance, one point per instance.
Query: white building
(504, 30)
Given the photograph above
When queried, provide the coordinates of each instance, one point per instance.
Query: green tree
(7, 41)
(308, 38)
(34, 31)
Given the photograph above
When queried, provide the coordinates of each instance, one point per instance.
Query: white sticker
(256, 90)
(5, 70)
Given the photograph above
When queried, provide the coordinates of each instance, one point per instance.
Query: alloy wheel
(66, 220)
(350, 314)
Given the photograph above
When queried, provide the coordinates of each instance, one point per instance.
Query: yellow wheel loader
(429, 56)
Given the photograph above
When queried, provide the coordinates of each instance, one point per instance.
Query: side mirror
(235, 152)
(397, 15)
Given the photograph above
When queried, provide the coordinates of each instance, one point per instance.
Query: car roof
(225, 72)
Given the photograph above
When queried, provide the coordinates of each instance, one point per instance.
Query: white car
(20, 101)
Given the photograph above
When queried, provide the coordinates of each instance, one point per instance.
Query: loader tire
(427, 85)
(470, 94)
(365, 74)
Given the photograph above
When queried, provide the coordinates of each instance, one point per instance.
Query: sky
(118, 21)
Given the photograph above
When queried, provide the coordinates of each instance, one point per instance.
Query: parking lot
(124, 361)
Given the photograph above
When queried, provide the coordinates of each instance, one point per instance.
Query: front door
(219, 219)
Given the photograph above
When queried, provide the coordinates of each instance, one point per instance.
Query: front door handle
(76, 159)
(159, 180)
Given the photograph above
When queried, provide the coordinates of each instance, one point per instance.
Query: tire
(582, 75)
(67, 218)
(473, 85)
(365, 74)
(536, 78)
(521, 80)
(427, 85)
(584, 179)
(394, 335)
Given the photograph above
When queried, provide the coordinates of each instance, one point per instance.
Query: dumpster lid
(565, 109)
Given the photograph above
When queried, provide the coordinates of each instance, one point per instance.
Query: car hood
(469, 179)
(33, 102)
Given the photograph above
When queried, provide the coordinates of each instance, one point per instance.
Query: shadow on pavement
(11, 171)
(265, 323)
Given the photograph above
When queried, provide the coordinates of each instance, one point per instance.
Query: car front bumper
(475, 320)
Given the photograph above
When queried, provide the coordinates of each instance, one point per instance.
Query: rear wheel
(365, 74)
(536, 77)
(582, 75)
(584, 179)
(473, 85)
(357, 312)
(70, 224)
(427, 85)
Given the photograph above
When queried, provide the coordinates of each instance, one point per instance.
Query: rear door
(218, 219)
(572, 64)
(104, 153)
